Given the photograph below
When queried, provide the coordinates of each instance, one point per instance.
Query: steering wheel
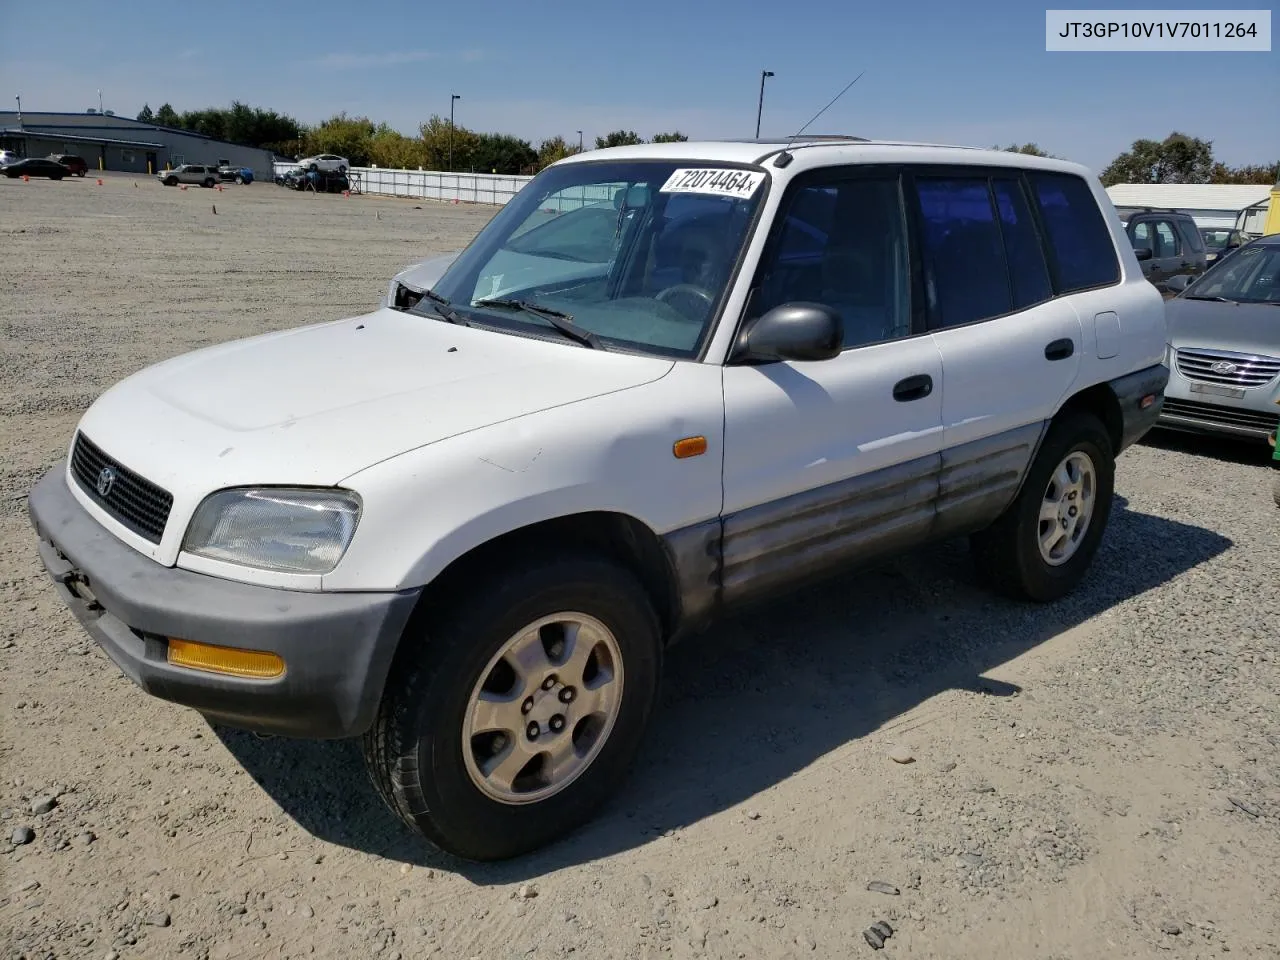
(684, 290)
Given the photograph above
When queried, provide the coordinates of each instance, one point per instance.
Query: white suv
(663, 380)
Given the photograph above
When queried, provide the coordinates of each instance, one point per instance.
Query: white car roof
(825, 151)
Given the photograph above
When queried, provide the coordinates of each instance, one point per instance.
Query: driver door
(833, 460)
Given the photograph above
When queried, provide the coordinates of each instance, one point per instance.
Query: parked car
(35, 167)
(7, 157)
(325, 162)
(232, 174)
(1224, 336)
(76, 165)
(466, 531)
(1219, 241)
(1167, 243)
(193, 173)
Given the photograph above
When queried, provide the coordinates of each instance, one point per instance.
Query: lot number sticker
(721, 183)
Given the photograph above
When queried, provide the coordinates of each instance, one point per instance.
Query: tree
(1030, 149)
(1253, 174)
(166, 116)
(1176, 159)
(145, 114)
(553, 149)
(348, 137)
(674, 137)
(619, 138)
(502, 153)
(392, 149)
(436, 138)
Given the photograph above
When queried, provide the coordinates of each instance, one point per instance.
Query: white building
(1210, 204)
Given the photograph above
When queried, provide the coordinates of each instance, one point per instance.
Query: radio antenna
(784, 157)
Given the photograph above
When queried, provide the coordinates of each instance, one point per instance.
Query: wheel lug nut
(527, 705)
(550, 682)
(532, 731)
(557, 723)
(567, 695)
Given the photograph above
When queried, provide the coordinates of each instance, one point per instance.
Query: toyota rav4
(662, 381)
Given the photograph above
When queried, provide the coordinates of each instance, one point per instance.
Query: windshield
(1250, 275)
(638, 253)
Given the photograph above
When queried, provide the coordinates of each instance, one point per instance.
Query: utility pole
(99, 101)
(579, 141)
(760, 108)
(454, 98)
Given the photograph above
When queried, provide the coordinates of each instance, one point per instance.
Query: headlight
(292, 531)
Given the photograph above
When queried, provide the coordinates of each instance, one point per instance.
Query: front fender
(427, 508)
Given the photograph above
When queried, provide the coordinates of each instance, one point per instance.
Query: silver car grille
(1229, 369)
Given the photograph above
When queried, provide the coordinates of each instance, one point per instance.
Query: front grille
(1235, 369)
(1226, 416)
(136, 502)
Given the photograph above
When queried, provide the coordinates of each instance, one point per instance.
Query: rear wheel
(208, 182)
(240, 179)
(1042, 545)
(513, 715)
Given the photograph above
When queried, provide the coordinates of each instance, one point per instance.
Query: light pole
(579, 141)
(99, 101)
(454, 98)
(19, 99)
(760, 108)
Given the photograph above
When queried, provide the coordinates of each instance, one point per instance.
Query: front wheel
(170, 181)
(513, 715)
(81, 173)
(240, 179)
(1041, 547)
(208, 182)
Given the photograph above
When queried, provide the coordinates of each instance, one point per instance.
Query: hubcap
(543, 708)
(1067, 508)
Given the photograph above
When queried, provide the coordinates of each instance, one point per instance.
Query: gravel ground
(1099, 778)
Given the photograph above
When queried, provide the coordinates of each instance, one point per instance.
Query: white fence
(464, 187)
(432, 184)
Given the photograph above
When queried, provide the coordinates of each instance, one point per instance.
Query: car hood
(317, 404)
(1237, 327)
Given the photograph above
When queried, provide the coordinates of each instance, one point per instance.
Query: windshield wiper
(1218, 299)
(444, 308)
(557, 318)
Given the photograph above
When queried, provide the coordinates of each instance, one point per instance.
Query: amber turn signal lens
(1147, 401)
(689, 447)
(256, 664)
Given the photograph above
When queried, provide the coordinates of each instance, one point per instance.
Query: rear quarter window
(1083, 253)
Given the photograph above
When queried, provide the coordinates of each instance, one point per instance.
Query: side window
(843, 244)
(965, 272)
(1191, 235)
(1028, 272)
(1081, 244)
(1142, 236)
(1166, 240)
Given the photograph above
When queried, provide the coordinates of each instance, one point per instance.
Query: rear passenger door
(1168, 260)
(1010, 349)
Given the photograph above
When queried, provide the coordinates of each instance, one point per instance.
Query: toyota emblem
(106, 480)
(1224, 367)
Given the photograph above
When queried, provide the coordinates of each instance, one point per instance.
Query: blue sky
(974, 73)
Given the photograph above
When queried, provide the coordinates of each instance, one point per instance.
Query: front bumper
(1252, 417)
(337, 647)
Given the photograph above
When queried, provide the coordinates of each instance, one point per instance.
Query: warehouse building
(1221, 205)
(108, 142)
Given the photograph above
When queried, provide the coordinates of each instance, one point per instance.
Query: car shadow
(768, 692)
(1244, 452)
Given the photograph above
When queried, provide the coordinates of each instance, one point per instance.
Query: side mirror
(1178, 283)
(1143, 253)
(791, 331)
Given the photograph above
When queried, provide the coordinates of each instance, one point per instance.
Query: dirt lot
(1100, 778)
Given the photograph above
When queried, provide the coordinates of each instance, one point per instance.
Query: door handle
(913, 388)
(1060, 349)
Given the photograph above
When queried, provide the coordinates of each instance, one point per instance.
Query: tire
(1275, 488)
(415, 751)
(170, 181)
(208, 183)
(239, 179)
(1009, 555)
(81, 173)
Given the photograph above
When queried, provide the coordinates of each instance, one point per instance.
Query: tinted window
(844, 245)
(1078, 237)
(1027, 270)
(965, 270)
(1166, 240)
(1191, 235)
(1142, 236)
